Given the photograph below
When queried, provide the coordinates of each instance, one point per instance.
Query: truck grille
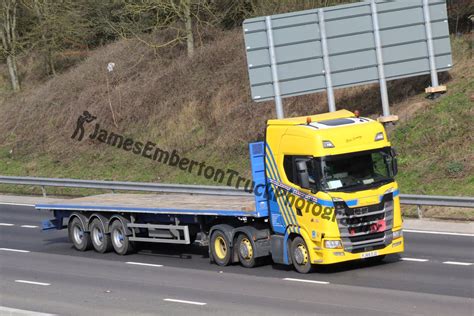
(365, 228)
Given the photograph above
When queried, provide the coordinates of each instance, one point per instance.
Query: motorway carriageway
(41, 272)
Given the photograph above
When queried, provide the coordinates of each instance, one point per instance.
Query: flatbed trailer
(163, 218)
(324, 192)
(172, 204)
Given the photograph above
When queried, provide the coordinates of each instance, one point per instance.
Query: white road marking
(144, 264)
(184, 302)
(437, 233)
(15, 204)
(32, 282)
(415, 259)
(6, 224)
(29, 226)
(458, 263)
(15, 311)
(14, 250)
(306, 281)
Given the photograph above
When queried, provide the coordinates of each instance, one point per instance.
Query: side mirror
(394, 166)
(303, 175)
(394, 162)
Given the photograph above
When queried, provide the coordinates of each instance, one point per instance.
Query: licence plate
(369, 254)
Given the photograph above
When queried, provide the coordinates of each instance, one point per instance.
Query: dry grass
(436, 212)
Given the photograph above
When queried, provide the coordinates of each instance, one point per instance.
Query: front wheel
(300, 255)
(120, 241)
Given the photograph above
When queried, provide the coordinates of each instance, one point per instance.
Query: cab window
(289, 165)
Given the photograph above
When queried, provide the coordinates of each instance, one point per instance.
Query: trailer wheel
(220, 248)
(100, 240)
(120, 242)
(246, 252)
(78, 235)
(300, 255)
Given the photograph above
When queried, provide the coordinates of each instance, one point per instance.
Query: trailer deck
(184, 204)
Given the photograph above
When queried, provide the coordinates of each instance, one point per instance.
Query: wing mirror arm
(394, 161)
(303, 175)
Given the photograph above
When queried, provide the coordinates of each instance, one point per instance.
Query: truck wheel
(220, 248)
(120, 242)
(100, 240)
(300, 255)
(78, 236)
(246, 252)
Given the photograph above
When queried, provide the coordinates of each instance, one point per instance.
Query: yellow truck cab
(335, 199)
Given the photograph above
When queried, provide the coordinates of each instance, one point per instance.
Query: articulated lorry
(324, 193)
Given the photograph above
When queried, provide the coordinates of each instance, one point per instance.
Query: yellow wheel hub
(220, 247)
(301, 255)
(246, 249)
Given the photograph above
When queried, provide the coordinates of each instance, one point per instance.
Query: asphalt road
(40, 271)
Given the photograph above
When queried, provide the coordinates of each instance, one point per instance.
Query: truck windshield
(356, 171)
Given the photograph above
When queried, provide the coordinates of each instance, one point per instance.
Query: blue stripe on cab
(352, 203)
(326, 203)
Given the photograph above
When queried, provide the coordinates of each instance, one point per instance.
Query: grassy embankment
(201, 107)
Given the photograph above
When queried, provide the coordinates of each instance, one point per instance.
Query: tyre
(246, 252)
(300, 255)
(220, 248)
(100, 240)
(120, 241)
(78, 235)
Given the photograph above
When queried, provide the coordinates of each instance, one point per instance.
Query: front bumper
(330, 256)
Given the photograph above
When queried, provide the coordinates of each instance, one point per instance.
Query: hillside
(201, 108)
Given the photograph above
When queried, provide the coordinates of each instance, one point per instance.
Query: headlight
(397, 234)
(332, 244)
(327, 144)
(379, 136)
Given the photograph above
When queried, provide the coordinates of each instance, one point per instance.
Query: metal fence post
(379, 55)
(327, 67)
(419, 211)
(43, 190)
(273, 64)
(429, 42)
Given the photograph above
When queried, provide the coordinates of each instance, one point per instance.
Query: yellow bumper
(329, 256)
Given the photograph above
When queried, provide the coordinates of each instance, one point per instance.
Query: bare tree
(188, 26)
(183, 16)
(58, 25)
(8, 19)
(459, 12)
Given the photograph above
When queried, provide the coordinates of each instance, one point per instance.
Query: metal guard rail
(409, 199)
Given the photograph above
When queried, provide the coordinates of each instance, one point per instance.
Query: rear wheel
(246, 252)
(300, 255)
(78, 235)
(220, 248)
(100, 240)
(120, 241)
